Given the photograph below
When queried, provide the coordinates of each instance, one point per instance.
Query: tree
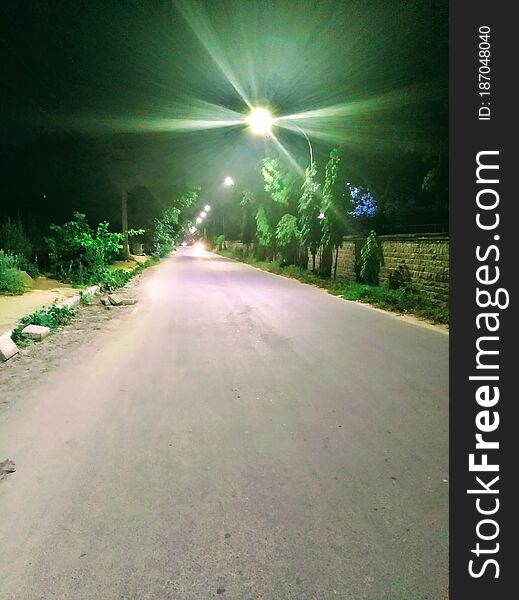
(248, 225)
(13, 237)
(278, 183)
(370, 260)
(309, 209)
(336, 205)
(264, 232)
(287, 239)
(172, 221)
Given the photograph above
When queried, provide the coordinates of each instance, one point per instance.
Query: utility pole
(123, 156)
(124, 219)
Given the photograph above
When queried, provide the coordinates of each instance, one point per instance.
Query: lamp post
(228, 182)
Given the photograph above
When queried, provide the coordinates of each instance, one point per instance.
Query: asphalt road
(238, 435)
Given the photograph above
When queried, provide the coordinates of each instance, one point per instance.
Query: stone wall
(346, 261)
(426, 257)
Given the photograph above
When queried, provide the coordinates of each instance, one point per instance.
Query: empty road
(237, 435)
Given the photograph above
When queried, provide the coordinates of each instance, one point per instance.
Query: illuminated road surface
(239, 435)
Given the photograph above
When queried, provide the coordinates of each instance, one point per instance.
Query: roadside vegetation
(51, 317)
(11, 278)
(408, 298)
(79, 254)
(297, 229)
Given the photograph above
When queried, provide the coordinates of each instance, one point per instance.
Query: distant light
(203, 214)
(260, 121)
(207, 208)
(228, 181)
(198, 220)
(184, 244)
(199, 248)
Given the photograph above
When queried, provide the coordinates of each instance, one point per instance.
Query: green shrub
(220, 242)
(11, 279)
(79, 255)
(51, 317)
(370, 260)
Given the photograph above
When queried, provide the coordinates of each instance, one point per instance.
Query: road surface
(238, 435)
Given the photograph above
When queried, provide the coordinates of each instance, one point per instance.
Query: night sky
(86, 80)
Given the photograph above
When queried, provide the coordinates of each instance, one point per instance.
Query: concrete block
(7, 348)
(115, 300)
(128, 301)
(35, 332)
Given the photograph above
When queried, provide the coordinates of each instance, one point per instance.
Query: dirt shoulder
(38, 360)
(43, 293)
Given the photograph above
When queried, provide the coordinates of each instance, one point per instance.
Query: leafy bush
(79, 255)
(370, 260)
(220, 242)
(11, 280)
(117, 278)
(51, 317)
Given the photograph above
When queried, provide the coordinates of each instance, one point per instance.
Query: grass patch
(410, 298)
(51, 317)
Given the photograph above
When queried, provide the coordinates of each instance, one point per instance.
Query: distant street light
(198, 220)
(203, 214)
(207, 208)
(228, 181)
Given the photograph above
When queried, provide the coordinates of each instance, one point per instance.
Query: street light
(198, 220)
(260, 121)
(228, 181)
(207, 208)
(203, 214)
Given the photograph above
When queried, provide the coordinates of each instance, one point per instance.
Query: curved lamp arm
(309, 145)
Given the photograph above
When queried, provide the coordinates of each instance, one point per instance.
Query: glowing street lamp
(228, 181)
(198, 220)
(260, 121)
(203, 214)
(207, 208)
